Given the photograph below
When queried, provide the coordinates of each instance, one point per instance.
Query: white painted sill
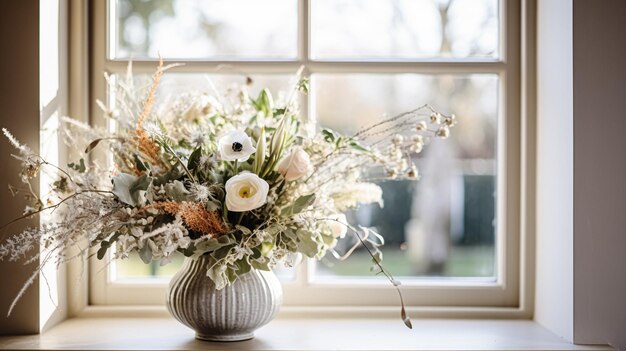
(299, 334)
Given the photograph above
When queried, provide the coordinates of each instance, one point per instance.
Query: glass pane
(404, 29)
(227, 86)
(204, 28)
(132, 268)
(444, 224)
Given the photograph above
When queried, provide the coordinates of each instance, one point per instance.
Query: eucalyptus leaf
(244, 230)
(266, 248)
(122, 184)
(329, 240)
(243, 267)
(212, 245)
(173, 174)
(231, 275)
(176, 191)
(145, 253)
(141, 183)
(189, 251)
(263, 266)
(216, 274)
(300, 204)
(309, 243)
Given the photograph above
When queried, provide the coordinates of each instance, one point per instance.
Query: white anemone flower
(235, 145)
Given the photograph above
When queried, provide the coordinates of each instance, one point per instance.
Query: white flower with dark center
(245, 192)
(235, 145)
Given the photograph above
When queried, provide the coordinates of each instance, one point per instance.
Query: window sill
(303, 334)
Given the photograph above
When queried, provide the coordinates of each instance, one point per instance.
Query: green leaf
(355, 145)
(244, 230)
(303, 85)
(173, 174)
(128, 188)
(263, 266)
(176, 191)
(266, 247)
(259, 155)
(139, 164)
(142, 183)
(145, 253)
(212, 245)
(189, 251)
(300, 204)
(265, 103)
(81, 168)
(377, 257)
(309, 243)
(92, 145)
(289, 234)
(216, 275)
(102, 250)
(194, 159)
(122, 184)
(329, 240)
(329, 135)
(243, 267)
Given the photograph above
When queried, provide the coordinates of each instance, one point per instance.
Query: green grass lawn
(462, 262)
(467, 261)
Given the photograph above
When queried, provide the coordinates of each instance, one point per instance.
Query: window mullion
(259, 67)
(304, 27)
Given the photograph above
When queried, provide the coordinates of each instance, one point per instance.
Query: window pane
(227, 86)
(404, 29)
(444, 224)
(204, 29)
(132, 268)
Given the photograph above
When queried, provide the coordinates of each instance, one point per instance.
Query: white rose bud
(235, 145)
(245, 192)
(295, 165)
(337, 225)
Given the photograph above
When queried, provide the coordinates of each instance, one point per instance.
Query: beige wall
(600, 172)
(554, 241)
(19, 106)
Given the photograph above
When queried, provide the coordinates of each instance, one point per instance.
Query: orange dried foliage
(145, 144)
(195, 216)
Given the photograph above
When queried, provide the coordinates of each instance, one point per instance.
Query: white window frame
(509, 296)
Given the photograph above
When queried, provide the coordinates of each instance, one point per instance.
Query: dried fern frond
(145, 144)
(195, 216)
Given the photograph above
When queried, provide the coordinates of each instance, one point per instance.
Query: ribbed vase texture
(229, 314)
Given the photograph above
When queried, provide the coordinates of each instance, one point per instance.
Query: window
(453, 238)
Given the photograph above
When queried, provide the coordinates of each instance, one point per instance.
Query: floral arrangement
(239, 179)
